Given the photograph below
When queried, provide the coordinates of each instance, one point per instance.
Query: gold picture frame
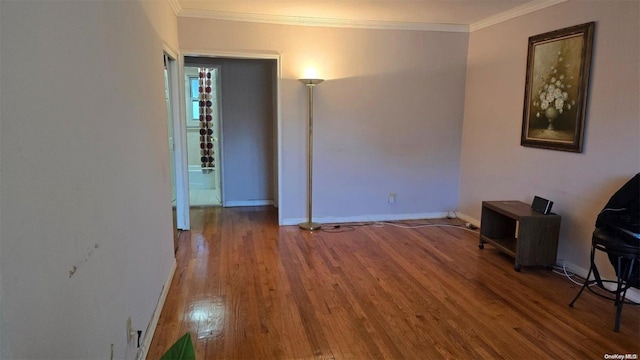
(557, 83)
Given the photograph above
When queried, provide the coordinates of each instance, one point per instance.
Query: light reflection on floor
(207, 316)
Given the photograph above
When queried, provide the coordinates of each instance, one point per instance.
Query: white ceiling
(425, 12)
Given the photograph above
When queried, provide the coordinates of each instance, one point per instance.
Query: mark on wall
(89, 253)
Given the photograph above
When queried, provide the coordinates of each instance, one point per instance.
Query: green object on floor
(181, 350)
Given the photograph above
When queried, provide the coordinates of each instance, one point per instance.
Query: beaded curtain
(206, 117)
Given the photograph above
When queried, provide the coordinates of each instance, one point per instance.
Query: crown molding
(175, 6)
(362, 24)
(513, 13)
(323, 22)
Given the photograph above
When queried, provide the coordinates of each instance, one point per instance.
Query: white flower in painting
(550, 97)
(553, 91)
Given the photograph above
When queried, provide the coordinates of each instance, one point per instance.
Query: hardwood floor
(247, 289)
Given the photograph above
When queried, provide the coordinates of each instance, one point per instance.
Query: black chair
(618, 235)
(625, 258)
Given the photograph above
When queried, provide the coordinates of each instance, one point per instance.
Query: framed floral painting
(557, 83)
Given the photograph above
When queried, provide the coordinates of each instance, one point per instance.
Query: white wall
(388, 118)
(163, 21)
(85, 225)
(494, 165)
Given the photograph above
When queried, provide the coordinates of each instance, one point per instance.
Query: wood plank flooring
(247, 289)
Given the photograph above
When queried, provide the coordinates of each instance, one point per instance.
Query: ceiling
(426, 12)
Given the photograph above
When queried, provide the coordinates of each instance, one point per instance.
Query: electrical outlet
(392, 198)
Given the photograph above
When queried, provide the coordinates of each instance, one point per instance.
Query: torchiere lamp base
(310, 226)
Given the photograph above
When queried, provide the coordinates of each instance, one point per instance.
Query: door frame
(277, 112)
(179, 137)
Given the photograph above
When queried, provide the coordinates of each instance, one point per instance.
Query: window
(194, 96)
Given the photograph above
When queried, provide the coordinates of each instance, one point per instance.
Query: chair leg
(616, 326)
(619, 297)
(586, 281)
(621, 291)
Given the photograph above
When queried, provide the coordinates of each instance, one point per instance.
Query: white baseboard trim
(151, 329)
(469, 219)
(365, 218)
(248, 203)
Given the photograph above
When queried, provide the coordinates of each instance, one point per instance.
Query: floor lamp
(309, 224)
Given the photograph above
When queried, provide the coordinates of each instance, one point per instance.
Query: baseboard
(151, 329)
(467, 218)
(365, 218)
(247, 203)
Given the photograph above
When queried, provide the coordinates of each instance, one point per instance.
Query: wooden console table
(512, 227)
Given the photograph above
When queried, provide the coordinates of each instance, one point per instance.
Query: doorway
(202, 84)
(247, 145)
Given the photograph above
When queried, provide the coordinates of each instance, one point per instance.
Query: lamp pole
(309, 224)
